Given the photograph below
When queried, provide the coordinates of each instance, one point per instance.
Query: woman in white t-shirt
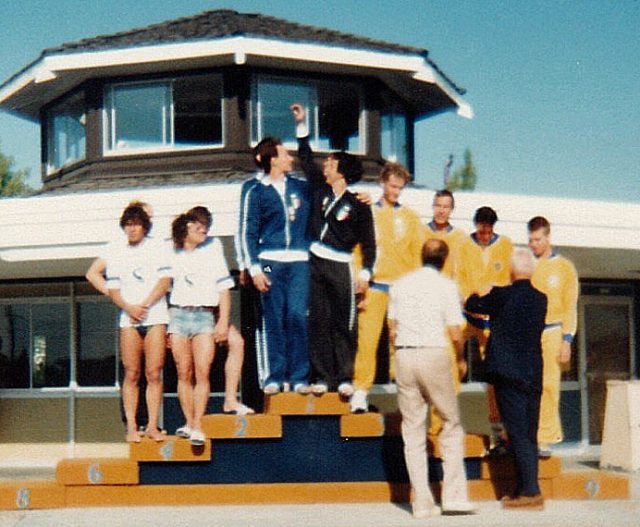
(199, 318)
(138, 277)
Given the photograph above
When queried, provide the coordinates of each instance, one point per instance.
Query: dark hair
(202, 215)
(180, 228)
(349, 166)
(394, 169)
(135, 214)
(435, 252)
(444, 193)
(539, 222)
(264, 151)
(485, 215)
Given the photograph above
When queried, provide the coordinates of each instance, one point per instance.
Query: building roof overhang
(56, 235)
(411, 75)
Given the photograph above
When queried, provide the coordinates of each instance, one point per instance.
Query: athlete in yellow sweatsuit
(439, 228)
(482, 266)
(556, 277)
(484, 261)
(400, 237)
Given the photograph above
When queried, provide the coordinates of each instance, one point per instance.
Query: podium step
(296, 404)
(220, 426)
(590, 485)
(22, 495)
(504, 468)
(97, 471)
(172, 449)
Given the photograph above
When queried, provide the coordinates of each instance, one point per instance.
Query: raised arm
(312, 171)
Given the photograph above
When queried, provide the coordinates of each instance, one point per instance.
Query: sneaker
(345, 389)
(358, 403)
(319, 388)
(544, 451)
(302, 388)
(272, 388)
(184, 432)
(427, 513)
(458, 508)
(197, 437)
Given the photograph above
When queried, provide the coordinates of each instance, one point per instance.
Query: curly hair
(137, 215)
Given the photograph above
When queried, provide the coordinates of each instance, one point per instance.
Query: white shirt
(135, 270)
(200, 275)
(422, 304)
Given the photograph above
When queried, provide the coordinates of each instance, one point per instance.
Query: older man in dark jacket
(513, 364)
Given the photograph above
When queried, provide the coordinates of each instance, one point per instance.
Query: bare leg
(203, 352)
(131, 349)
(154, 349)
(183, 358)
(233, 370)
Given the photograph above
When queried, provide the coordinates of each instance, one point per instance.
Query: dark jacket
(517, 317)
(341, 225)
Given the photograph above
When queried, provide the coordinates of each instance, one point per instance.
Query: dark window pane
(197, 108)
(50, 327)
(97, 341)
(339, 111)
(14, 346)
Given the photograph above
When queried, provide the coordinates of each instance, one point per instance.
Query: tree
(12, 182)
(464, 178)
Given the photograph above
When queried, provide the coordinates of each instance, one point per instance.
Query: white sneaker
(197, 437)
(184, 432)
(345, 389)
(427, 513)
(358, 403)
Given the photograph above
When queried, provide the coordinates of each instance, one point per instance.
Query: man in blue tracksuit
(276, 245)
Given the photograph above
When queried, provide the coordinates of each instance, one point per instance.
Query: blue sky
(555, 85)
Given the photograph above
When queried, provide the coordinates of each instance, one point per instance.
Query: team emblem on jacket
(497, 266)
(343, 213)
(400, 228)
(295, 205)
(553, 280)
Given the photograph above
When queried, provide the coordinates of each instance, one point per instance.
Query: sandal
(241, 409)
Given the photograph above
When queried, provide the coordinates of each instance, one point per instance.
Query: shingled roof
(227, 23)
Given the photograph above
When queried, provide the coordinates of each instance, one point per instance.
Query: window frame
(50, 115)
(314, 131)
(109, 116)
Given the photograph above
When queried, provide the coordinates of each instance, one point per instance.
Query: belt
(408, 347)
(552, 325)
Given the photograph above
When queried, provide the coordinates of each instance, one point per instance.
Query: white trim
(239, 49)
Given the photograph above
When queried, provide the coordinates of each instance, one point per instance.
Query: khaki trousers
(423, 376)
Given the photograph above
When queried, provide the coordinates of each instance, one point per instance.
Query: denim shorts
(191, 321)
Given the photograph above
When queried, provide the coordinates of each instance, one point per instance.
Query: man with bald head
(424, 307)
(513, 364)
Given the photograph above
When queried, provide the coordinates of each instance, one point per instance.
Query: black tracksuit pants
(332, 321)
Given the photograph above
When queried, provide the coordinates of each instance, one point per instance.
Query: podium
(621, 434)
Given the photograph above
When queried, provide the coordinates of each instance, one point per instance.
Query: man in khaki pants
(423, 305)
